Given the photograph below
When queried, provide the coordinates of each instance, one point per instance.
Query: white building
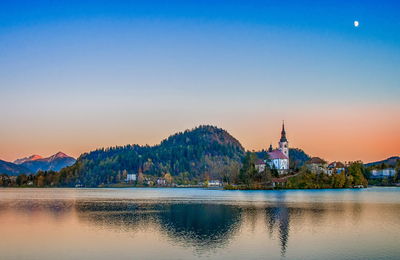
(384, 173)
(279, 158)
(161, 182)
(260, 165)
(317, 165)
(131, 177)
(335, 167)
(214, 183)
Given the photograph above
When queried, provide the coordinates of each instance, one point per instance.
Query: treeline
(354, 175)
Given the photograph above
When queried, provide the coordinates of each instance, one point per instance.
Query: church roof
(277, 154)
(283, 134)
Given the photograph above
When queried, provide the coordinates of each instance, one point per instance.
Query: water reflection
(197, 229)
(200, 225)
(279, 217)
(189, 224)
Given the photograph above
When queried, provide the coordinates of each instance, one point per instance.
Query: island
(205, 156)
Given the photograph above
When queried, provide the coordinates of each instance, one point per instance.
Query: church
(278, 158)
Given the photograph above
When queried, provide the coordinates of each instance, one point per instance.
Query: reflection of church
(279, 217)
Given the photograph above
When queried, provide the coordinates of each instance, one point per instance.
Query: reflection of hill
(200, 225)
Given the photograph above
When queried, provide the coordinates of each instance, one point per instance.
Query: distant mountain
(12, 169)
(391, 161)
(190, 155)
(26, 159)
(55, 162)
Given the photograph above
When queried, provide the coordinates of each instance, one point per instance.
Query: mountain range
(35, 163)
(12, 169)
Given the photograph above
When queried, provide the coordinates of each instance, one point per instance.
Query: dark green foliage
(358, 172)
(297, 158)
(250, 177)
(248, 171)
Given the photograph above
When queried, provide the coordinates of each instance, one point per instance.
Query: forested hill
(189, 155)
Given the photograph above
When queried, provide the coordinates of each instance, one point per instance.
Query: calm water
(199, 224)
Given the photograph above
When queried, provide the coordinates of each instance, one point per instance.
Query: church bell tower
(283, 142)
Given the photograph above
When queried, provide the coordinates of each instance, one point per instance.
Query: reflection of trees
(200, 225)
(122, 216)
(56, 209)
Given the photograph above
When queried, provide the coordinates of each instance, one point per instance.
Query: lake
(140, 223)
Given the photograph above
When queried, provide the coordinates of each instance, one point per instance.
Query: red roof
(259, 162)
(277, 154)
(281, 180)
(336, 165)
(316, 160)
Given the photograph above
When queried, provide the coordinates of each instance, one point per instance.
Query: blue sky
(116, 72)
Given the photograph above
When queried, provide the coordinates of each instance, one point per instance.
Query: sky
(80, 75)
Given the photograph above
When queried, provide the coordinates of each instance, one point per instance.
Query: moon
(356, 23)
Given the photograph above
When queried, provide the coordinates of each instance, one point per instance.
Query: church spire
(283, 133)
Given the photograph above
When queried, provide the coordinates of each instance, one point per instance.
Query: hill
(391, 161)
(12, 169)
(298, 157)
(55, 162)
(189, 155)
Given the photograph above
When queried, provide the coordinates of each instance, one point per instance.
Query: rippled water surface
(199, 224)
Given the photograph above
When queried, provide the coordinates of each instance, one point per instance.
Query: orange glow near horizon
(332, 134)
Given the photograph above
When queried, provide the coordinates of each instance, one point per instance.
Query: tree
(140, 178)
(357, 170)
(397, 169)
(168, 178)
(22, 180)
(339, 180)
(40, 181)
(124, 174)
(267, 178)
(248, 170)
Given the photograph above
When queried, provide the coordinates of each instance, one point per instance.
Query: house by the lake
(383, 173)
(335, 167)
